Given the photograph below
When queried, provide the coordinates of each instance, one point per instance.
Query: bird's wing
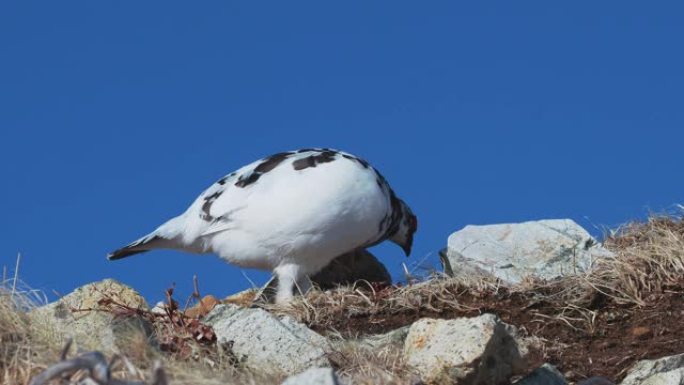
(230, 193)
(216, 204)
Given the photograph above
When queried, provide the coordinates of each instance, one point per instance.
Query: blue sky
(114, 116)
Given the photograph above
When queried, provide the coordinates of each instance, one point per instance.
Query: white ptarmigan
(292, 213)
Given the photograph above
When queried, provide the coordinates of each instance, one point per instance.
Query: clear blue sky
(114, 116)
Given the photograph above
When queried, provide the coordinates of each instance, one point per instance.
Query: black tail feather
(140, 246)
(123, 253)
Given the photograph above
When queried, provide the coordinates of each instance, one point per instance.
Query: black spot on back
(247, 179)
(325, 156)
(271, 162)
(301, 164)
(262, 168)
(223, 180)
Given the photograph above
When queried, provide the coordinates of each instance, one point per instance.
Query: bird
(291, 213)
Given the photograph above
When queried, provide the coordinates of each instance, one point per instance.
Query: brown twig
(195, 294)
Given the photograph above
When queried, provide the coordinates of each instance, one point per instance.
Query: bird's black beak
(408, 245)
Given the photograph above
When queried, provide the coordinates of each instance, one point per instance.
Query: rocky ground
(533, 303)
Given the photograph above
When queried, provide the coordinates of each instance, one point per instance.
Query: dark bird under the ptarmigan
(292, 213)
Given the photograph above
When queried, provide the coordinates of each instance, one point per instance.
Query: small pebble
(642, 332)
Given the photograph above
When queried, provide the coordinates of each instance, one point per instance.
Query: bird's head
(408, 224)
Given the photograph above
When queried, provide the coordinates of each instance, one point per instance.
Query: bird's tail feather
(146, 243)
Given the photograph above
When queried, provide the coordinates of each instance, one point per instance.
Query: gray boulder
(480, 350)
(544, 249)
(266, 342)
(663, 371)
(313, 376)
(358, 265)
(77, 316)
(545, 375)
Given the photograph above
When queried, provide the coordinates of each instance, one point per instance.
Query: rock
(93, 330)
(358, 265)
(266, 342)
(244, 298)
(313, 376)
(159, 308)
(396, 337)
(545, 375)
(642, 332)
(663, 371)
(596, 381)
(391, 340)
(544, 249)
(203, 307)
(480, 350)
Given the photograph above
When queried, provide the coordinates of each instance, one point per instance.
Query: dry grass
(365, 365)
(20, 357)
(649, 257)
(323, 309)
(25, 351)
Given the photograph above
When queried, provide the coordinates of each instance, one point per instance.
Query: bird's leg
(288, 275)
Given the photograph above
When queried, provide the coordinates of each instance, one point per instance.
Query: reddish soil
(619, 335)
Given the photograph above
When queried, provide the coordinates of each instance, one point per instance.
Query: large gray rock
(663, 371)
(545, 375)
(480, 350)
(358, 265)
(544, 249)
(267, 342)
(313, 376)
(78, 315)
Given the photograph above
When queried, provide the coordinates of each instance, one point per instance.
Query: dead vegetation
(187, 352)
(649, 259)
(95, 369)
(370, 366)
(625, 310)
